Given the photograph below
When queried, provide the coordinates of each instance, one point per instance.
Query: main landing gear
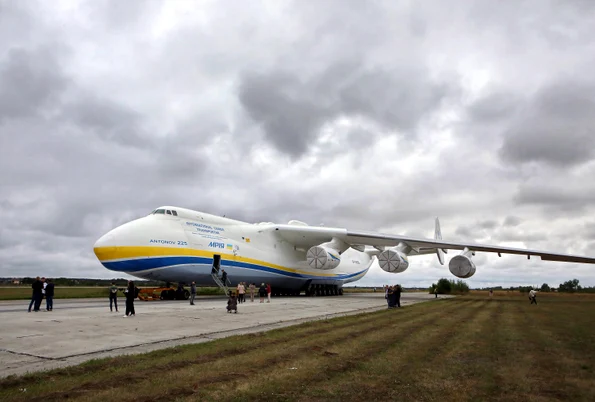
(324, 290)
(312, 290)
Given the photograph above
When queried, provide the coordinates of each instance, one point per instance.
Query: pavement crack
(28, 354)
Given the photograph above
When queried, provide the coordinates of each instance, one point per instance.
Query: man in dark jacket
(49, 295)
(37, 293)
(130, 293)
(397, 291)
(390, 297)
(232, 303)
(33, 296)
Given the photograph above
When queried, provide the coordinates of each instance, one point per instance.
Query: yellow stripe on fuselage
(105, 254)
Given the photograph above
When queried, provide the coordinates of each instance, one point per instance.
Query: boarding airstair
(220, 283)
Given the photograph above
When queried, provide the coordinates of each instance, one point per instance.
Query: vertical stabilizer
(438, 236)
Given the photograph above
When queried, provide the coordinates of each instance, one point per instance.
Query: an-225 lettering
(174, 242)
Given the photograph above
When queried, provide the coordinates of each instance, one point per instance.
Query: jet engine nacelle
(393, 260)
(461, 265)
(323, 257)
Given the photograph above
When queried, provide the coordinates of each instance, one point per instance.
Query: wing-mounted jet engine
(461, 265)
(394, 259)
(326, 255)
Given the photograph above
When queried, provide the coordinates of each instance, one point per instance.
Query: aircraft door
(216, 264)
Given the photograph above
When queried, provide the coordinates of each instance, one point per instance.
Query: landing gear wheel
(340, 291)
(186, 294)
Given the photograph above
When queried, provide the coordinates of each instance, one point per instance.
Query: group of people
(130, 292)
(392, 294)
(239, 296)
(234, 297)
(42, 288)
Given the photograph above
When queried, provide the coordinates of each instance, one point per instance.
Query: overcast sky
(371, 115)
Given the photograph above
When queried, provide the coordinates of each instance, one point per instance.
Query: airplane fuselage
(185, 246)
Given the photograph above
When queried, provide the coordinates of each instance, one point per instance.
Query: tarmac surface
(78, 330)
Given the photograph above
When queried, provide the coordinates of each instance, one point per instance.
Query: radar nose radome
(104, 246)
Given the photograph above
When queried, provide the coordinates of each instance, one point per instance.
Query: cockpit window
(168, 212)
(160, 211)
(174, 212)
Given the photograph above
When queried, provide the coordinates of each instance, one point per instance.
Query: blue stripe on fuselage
(144, 264)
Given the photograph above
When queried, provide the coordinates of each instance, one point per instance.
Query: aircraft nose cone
(105, 246)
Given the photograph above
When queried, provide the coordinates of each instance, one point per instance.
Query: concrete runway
(83, 329)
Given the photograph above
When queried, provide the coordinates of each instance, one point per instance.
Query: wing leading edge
(374, 239)
(308, 236)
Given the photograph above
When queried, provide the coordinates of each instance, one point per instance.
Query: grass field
(468, 348)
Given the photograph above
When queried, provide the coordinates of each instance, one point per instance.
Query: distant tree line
(571, 286)
(449, 286)
(444, 286)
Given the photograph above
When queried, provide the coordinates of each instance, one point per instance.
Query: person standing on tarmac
(37, 293)
(397, 292)
(113, 297)
(252, 289)
(49, 295)
(390, 297)
(268, 292)
(262, 292)
(192, 293)
(33, 293)
(130, 295)
(241, 292)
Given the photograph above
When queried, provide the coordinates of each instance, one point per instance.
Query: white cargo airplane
(179, 245)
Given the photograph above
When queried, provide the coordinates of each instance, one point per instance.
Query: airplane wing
(309, 236)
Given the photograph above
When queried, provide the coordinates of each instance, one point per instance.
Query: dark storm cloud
(464, 232)
(494, 107)
(557, 126)
(292, 110)
(16, 19)
(108, 120)
(570, 198)
(30, 81)
(512, 221)
(123, 14)
(590, 230)
(489, 224)
(372, 116)
(289, 118)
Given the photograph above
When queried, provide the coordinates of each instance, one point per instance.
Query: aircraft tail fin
(438, 236)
